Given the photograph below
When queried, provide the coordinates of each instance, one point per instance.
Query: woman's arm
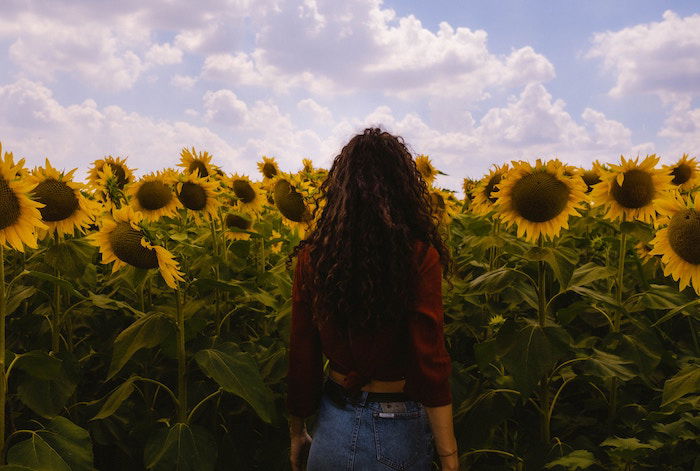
(300, 443)
(443, 432)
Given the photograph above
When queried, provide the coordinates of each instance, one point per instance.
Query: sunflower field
(144, 321)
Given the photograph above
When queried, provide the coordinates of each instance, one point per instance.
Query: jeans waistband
(341, 396)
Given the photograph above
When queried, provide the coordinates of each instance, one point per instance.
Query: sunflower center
(199, 166)
(154, 195)
(636, 191)
(244, 191)
(126, 244)
(289, 202)
(681, 174)
(590, 178)
(59, 200)
(193, 196)
(539, 196)
(269, 170)
(684, 235)
(234, 221)
(119, 173)
(9, 205)
(495, 180)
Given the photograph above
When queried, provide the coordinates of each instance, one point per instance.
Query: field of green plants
(144, 321)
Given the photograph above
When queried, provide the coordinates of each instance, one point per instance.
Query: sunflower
(153, 195)
(308, 166)
(194, 162)
(632, 190)
(250, 196)
(468, 186)
(444, 205)
(679, 242)
(236, 222)
(426, 168)
(199, 195)
(290, 203)
(65, 207)
(123, 175)
(643, 248)
(539, 199)
(19, 214)
(276, 247)
(121, 240)
(107, 190)
(484, 198)
(685, 173)
(591, 176)
(269, 169)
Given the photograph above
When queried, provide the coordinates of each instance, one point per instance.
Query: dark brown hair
(360, 256)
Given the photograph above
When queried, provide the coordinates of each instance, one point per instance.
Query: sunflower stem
(56, 324)
(181, 359)
(215, 247)
(3, 378)
(691, 324)
(541, 295)
(617, 319)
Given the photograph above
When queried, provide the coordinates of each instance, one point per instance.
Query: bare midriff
(374, 386)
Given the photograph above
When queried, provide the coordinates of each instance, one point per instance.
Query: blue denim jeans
(364, 436)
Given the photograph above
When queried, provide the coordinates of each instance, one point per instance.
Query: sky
(471, 84)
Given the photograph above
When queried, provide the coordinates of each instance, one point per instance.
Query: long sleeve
(429, 367)
(305, 368)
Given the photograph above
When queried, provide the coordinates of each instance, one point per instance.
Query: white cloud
(318, 113)
(183, 81)
(682, 127)
(164, 54)
(34, 125)
(223, 107)
(662, 57)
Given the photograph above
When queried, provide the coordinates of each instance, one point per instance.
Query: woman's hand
(300, 445)
(450, 463)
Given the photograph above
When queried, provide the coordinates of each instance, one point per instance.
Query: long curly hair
(377, 205)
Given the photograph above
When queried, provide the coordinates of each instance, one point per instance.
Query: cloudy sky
(470, 83)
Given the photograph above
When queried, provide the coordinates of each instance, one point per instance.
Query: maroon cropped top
(416, 354)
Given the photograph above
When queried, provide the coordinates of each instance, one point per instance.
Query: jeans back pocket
(399, 437)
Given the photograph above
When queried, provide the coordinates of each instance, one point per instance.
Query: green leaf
(147, 332)
(40, 365)
(37, 455)
(627, 449)
(662, 297)
(17, 295)
(69, 256)
(105, 302)
(588, 273)
(116, 398)
(237, 373)
(577, 459)
(492, 281)
(65, 284)
(529, 351)
(181, 447)
(561, 259)
(672, 313)
(48, 391)
(686, 381)
(607, 365)
(71, 442)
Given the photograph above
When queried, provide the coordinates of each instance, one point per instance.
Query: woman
(367, 293)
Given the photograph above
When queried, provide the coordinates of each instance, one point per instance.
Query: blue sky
(469, 83)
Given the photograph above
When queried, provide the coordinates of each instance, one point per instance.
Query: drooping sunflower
(468, 186)
(200, 195)
(236, 222)
(444, 205)
(153, 195)
(195, 162)
(269, 169)
(123, 175)
(426, 168)
(484, 198)
(65, 207)
(539, 199)
(591, 176)
(290, 203)
(121, 240)
(631, 191)
(685, 173)
(250, 196)
(679, 242)
(19, 214)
